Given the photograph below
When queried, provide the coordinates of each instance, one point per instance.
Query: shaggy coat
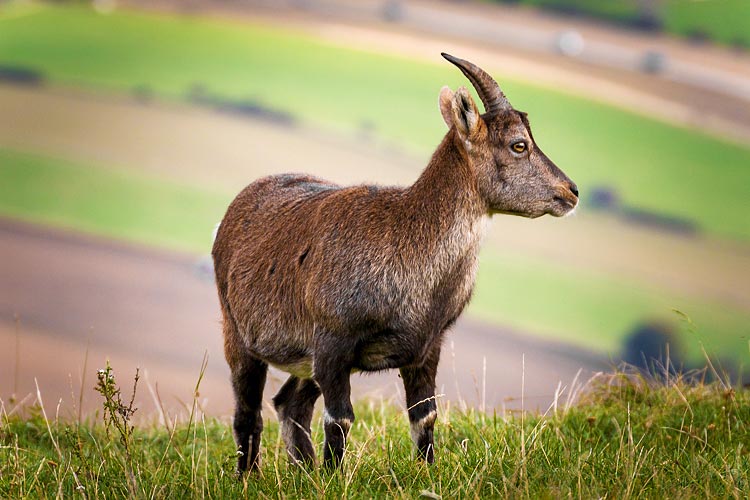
(321, 280)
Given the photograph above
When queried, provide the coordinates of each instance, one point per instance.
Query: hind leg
(248, 380)
(294, 403)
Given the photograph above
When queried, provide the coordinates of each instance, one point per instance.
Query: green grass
(108, 202)
(584, 308)
(621, 11)
(597, 311)
(726, 21)
(625, 439)
(653, 165)
(723, 21)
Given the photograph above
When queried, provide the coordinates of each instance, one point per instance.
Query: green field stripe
(108, 202)
(659, 167)
(598, 311)
(726, 21)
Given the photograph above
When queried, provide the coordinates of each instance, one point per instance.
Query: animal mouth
(566, 205)
(565, 202)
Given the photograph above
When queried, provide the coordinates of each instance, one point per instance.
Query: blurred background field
(137, 122)
(724, 21)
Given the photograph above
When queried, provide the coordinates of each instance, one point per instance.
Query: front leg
(419, 384)
(332, 371)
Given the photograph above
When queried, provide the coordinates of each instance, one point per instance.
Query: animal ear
(446, 103)
(465, 114)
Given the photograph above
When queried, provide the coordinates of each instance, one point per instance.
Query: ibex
(321, 280)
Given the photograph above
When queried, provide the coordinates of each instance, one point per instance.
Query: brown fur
(323, 280)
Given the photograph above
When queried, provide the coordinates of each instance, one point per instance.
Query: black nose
(574, 189)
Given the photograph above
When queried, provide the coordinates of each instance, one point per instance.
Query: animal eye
(519, 147)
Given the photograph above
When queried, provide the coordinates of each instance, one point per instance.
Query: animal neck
(445, 202)
(447, 189)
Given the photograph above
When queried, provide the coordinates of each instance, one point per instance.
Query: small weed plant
(118, 416)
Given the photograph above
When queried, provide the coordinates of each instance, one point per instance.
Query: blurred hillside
(723, 21)
(138, 122)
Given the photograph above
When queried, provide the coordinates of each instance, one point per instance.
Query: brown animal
(321, 280)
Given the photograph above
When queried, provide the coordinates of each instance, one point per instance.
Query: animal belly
(301, 369)
(387, 354)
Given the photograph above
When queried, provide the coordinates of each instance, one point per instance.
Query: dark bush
(143, 94)
(698, 36)
(646, 347)
(603, 198)
(20, 75)
(671, 223)
(199, 94)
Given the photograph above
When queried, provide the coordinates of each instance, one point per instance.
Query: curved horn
(487, 88)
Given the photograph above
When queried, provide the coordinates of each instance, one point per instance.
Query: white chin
(572, 211)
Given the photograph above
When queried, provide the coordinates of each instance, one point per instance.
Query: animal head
(512, 173)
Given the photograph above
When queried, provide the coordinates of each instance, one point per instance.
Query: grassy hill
(625, 439)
